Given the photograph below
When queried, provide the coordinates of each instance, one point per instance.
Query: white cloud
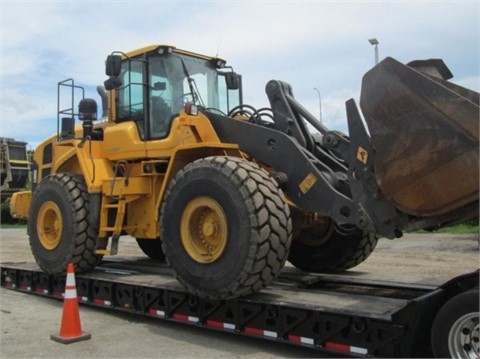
(308, 44)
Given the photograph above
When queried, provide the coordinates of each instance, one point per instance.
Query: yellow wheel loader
(227, 193)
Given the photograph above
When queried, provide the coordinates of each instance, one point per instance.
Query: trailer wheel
(60, 228)
(226, 227)
(328, 248)
(152, 248)
(455, 330)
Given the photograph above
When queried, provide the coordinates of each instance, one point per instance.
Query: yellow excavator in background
(227, 193)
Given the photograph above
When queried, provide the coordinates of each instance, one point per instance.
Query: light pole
(375, 42)
(319, 104)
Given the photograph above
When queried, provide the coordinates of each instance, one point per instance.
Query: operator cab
(152, 85)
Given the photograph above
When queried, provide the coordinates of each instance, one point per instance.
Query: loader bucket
(425, 133)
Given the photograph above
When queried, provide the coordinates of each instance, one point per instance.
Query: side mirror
(113, 65)
(232, 80)
(113, 83)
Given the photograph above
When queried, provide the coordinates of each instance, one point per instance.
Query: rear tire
(330, 249)
(226, 227)
(60, 227)
(152, 248)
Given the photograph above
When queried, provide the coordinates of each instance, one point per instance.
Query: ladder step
(103, 251)
(113, 247)
(111, 229)
(111, 205)
(108, 229)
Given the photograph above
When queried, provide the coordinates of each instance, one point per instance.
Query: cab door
(126, 138)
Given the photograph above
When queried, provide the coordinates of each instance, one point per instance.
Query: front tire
(59, 225)
(226, 227)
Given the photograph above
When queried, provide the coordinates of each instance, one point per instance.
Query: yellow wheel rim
(49, 225)
(204, 230)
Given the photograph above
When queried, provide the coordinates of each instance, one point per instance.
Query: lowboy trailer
(355, 315)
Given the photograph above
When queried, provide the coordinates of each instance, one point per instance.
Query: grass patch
(463, 228)
(14, 225)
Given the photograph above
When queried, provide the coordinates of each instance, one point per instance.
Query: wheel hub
(317, 231)
(49, 225)
(209, 228)
(204, 230)
(464, 337)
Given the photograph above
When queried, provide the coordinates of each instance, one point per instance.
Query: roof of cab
(155, 47)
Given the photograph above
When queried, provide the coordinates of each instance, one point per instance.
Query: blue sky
(322, 44)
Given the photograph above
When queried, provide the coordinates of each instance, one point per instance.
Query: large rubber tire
(226, 227)
(333, 250)
(60, 227)
(455, 329)
(152, 248)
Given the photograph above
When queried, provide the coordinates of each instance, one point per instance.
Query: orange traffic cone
(70, 329)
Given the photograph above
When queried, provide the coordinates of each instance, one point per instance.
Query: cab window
(130, 96)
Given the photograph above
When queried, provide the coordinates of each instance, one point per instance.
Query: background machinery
(14, 166)
(14, 172)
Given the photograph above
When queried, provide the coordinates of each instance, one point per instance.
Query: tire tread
(82, 252)
(271, 225)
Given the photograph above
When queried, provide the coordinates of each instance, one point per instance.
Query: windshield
(166, 83)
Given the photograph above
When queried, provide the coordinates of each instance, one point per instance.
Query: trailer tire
(337, 250)
(455, 329)
(226, 227)
(152, 248)
(60, 227)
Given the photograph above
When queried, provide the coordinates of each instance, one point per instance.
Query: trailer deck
(353, 314)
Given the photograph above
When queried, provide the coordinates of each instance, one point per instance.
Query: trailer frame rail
(277, 314)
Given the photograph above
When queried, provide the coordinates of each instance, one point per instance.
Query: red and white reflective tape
(221, 325)
(345, 348)
(83, 299)
(41, 290)
(102, 302)
(299, 339)
(261, 332)
(156, 312)
(185, 318)
(25, 287)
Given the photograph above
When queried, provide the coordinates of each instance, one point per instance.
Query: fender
(84, 157)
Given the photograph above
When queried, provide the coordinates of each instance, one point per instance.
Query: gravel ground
(27, 321)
